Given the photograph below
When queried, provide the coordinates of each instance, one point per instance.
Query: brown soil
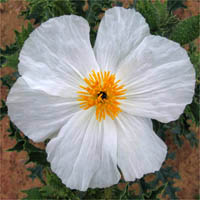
(14, 176)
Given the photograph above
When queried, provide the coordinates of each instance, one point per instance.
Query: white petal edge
(159, 79)
(58, 55)
(140, 150)
(80, 153)
(38, 115)
(120, 31)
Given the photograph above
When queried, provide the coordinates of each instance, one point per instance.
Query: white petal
(57, 55)
(121, 30)
(159, 79)
(37, 114)
(140, 150)
(107, 173)
(81, 153)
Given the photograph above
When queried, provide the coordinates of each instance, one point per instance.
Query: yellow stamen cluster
(103, 92)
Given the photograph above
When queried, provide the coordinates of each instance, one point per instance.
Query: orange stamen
(103, 92)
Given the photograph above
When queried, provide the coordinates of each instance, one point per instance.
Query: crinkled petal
(58, 55)
(108, 173)
(159, 79)
(80, 153)
(140, 150)
(38, 115)
(121, 30)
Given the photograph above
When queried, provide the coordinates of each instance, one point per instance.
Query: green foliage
(166, 176)
(53, 189)
(18, 147)
(14, 132)
(32, 193)
(154, 193)
(42, 10)
(92, 15)
(35, 154)
(197, 196)
(12, 60)
(175, 4)
(157, 16)
(7, 52)
(9, 56)
(3, 110)
(180, 128)
(148, 10)
(128, 193)
(9, 79)
(186, 31)
(195, 59)
(37, 172)
(23, 35)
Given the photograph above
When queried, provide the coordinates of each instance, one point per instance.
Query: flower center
(103, 92)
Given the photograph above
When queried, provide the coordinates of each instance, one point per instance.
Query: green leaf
(186, 31)
(194, 108)
(36, 155)
(15, 133)
(96, 193)
(171, 190)
(9, 56)
(55, 188)
(2, 61)
(23, 35)
(178, 140)
(165, 176)
(31, 148)
(48, 192)
(191, 136)
(9, 49)
(32, 194)
(169, 172)
(147, 9)
(95, 9)
(9, 79)
(157, 16)
(3, 110)
(108, 193)
(197, 196)
(171, 155)
(153, 194)
(172, 5)
(11, 60)
(38, 158)
(18, 147)
(41, 10)
(124, 193)
(184, 127)
(37, 172)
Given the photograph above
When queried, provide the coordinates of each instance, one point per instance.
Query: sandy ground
(14, 176)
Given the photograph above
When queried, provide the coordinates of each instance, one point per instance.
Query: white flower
(97, 104)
